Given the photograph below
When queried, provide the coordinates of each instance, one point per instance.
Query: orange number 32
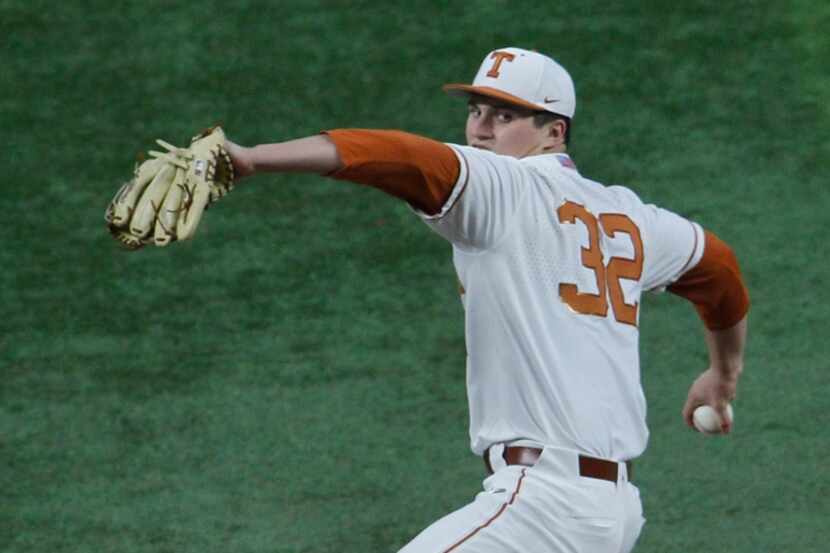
(608, 276)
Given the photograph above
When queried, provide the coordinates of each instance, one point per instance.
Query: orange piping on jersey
(494, 517)
(448, 208)
(421, 171)
(715, 286)
(691, 255)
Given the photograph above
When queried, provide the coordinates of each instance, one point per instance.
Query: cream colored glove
(165, 199)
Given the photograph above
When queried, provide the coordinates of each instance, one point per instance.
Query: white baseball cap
(522, 77)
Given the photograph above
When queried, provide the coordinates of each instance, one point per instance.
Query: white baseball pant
(546, 508)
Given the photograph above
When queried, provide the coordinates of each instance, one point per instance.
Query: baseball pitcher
(552, 268)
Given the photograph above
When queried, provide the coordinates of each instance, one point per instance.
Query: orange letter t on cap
(499, 57)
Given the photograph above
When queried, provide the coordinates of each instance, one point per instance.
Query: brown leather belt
(590, 467)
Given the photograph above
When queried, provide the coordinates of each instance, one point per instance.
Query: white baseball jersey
(552, 266)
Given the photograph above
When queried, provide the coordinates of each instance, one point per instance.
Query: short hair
(542, 118)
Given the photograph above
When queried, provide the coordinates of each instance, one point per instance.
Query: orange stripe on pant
(494, 517)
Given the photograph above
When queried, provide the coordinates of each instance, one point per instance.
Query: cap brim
(467, 89)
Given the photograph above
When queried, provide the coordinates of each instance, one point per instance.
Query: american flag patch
(566, 161)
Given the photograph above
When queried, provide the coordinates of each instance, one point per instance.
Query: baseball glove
(165, 199)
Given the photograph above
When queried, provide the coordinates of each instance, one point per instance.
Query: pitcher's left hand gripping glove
(168, 193)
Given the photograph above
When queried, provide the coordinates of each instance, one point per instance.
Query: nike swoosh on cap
(550, 101)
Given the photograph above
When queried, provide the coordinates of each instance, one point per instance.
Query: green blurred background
(293, 379)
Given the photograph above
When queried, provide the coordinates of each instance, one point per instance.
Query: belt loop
(627, 466)
(496, 456)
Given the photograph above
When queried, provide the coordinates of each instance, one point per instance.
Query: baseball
(707, 421)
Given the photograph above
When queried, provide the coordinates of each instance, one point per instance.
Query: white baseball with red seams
(707, 420)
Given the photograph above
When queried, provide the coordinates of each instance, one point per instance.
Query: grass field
(293, 380)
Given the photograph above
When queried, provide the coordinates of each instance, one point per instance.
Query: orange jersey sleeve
(418, 170)
(715, 286)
